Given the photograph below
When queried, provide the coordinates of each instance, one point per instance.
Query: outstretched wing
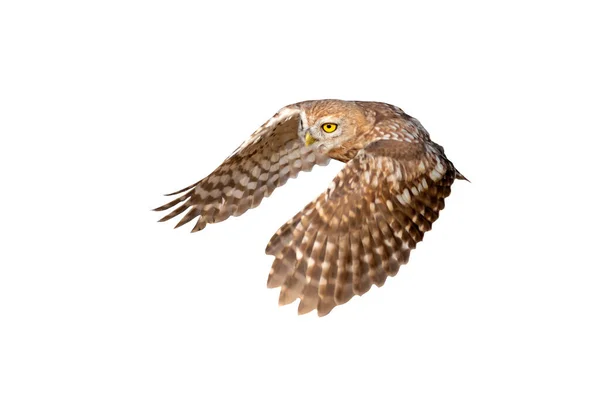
(272, 155)
(363, 227)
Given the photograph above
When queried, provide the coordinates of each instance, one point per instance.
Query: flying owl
(361, 229)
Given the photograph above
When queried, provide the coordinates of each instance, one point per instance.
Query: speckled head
(333, 124)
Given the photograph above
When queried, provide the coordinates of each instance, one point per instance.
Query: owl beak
(308, 139)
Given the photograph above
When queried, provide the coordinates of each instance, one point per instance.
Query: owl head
(330, 124)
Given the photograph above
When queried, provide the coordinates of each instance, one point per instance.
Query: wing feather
(270, 156)
(363, 227)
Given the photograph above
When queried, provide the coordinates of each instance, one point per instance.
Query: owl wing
(270, 156)
(363, 227)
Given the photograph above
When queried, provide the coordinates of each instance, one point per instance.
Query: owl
(362, 228)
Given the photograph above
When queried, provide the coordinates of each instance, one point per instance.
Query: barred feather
(272, 155)
(359, 231)
(364, 226)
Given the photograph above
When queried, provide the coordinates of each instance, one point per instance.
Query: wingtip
(305, 307)
(303, 311)
(286, 297)
(461, 177)
(271, 284)
(163, 219)
(325, 309)
(183, 190)
(200, 224)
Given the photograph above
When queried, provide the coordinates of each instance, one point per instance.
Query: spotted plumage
(361, 229)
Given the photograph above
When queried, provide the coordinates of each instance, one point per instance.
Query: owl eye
(329, 127)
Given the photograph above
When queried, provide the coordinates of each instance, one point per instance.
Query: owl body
(361, 229)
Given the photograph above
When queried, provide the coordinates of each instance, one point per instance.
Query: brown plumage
(363, 227)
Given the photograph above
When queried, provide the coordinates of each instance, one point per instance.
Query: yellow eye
(329, 127)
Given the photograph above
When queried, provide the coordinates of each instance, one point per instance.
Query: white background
(106, 105)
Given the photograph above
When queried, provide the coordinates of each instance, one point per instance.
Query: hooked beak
(308, 139)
